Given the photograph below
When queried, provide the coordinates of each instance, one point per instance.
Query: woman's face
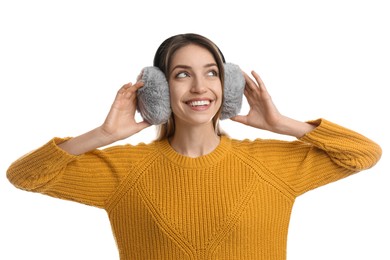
(195, 86)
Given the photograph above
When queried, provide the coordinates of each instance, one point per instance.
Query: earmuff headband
(153, 101)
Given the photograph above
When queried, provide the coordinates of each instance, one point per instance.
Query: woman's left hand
(263, 114)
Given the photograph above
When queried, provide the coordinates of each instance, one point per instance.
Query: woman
(195, 193)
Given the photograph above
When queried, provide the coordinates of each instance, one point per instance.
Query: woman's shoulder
(136, 151)
(263, 148)
(260, 142)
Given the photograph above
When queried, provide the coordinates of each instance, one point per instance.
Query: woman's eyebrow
(210, 65)
(180, 66)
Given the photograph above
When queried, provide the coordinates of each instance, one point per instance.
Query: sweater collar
(199, 162)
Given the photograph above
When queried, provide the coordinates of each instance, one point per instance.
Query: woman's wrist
(292, 127)
(89, 141)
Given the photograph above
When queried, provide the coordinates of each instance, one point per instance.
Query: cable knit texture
(233, 203)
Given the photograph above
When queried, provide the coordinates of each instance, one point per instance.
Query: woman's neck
(195, 141)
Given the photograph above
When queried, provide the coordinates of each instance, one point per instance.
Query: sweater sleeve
(89, 178)
(344, 147)
(328, 153)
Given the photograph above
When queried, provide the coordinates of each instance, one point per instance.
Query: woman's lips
(199, 104)
(196, 103)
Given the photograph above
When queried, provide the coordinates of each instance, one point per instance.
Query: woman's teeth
(199, 103)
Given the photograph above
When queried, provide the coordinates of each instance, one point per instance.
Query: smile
(196, 103)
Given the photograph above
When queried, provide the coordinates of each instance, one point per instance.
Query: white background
(61, 63)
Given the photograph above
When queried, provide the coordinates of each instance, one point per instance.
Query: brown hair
(163, 58)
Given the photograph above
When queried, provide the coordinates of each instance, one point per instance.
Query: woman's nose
(198, 85)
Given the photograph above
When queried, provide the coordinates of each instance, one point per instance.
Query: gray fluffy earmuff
(153, 101)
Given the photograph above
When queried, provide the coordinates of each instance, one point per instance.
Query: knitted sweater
(233, 203)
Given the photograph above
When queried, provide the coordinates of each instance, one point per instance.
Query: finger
(247, 88)
(252, 94)
(123, 89)
(248, 95)
(139, 84)
(240, 119)
(127, 86)
(139, 77)
(246, 91)
(132, 89)
(250, 83)
(258, 79)
(143, 124)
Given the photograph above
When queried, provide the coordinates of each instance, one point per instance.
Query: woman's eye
(212, 73)
(181, 75)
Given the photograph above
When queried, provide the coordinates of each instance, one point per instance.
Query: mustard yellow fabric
(233, 203)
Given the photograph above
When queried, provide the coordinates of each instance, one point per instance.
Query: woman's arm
(325, 152)
(119, 124)
(73, 168)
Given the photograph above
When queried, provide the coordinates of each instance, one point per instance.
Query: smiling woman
(194, 65)
(196, 96)
(195, 193)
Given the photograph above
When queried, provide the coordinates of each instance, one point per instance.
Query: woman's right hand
(120, 122)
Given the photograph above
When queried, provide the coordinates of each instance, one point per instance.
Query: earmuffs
(153, 101)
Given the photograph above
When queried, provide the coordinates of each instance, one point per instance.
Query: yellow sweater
(233, 203)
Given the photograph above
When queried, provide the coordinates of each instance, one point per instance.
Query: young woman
(195, 193)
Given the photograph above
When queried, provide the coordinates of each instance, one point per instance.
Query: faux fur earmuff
(153, 101)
